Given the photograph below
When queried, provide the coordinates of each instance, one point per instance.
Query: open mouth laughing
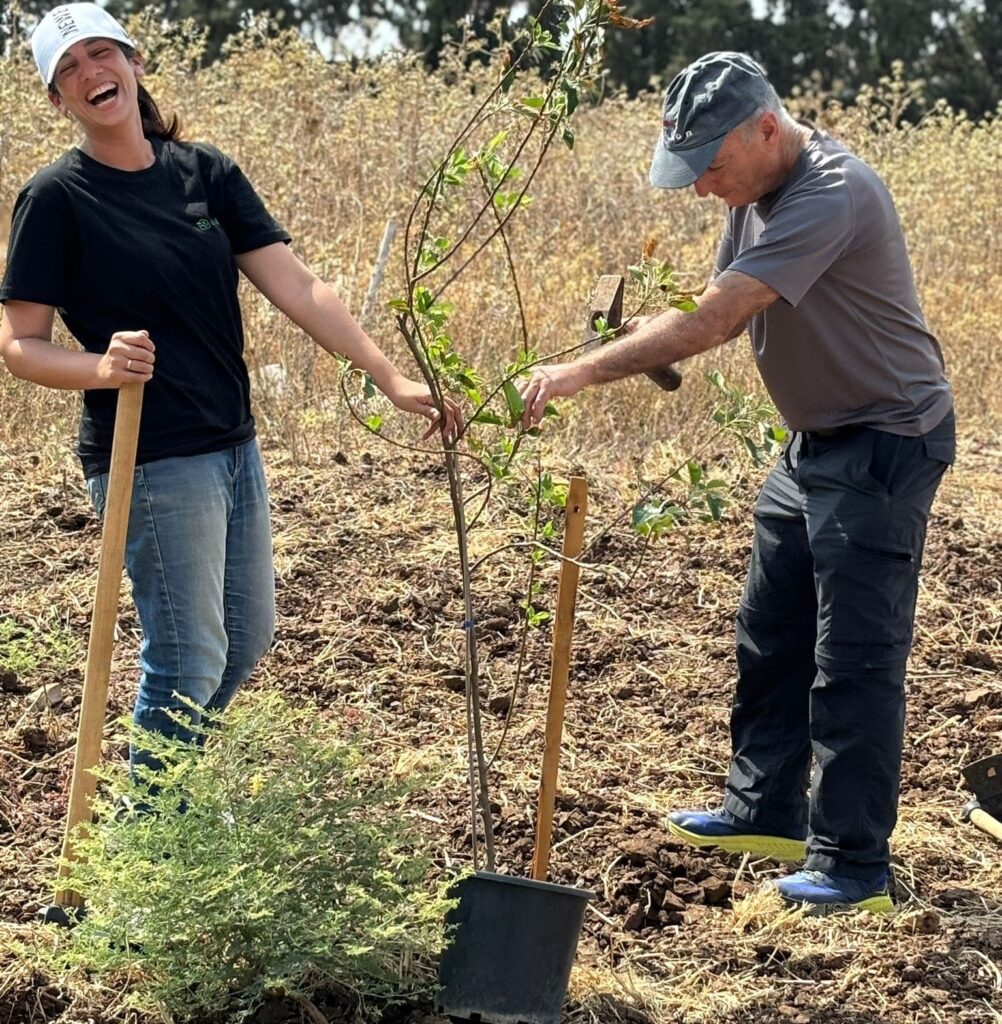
(103, 94)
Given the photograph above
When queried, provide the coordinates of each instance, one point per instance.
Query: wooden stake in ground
(94, 702)
(567, 591)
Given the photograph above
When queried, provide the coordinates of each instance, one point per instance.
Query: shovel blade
(984, 779)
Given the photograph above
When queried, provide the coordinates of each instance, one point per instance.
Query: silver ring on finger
(128, 365)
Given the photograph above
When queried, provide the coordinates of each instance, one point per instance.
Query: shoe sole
(774, 847)
(879, 904)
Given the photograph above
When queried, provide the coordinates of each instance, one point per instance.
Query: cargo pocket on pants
(874, 596)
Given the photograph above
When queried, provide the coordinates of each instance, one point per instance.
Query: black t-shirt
(151, 250)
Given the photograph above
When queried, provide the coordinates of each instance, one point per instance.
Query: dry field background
(368, 586)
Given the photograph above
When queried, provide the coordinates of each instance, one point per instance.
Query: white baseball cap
(68, 24)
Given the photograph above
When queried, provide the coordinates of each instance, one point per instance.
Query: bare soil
(370, 630)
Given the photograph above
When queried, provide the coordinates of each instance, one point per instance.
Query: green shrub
(24, 647)
(291, 867)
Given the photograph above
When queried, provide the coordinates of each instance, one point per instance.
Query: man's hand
(559, 380)
(411, 396)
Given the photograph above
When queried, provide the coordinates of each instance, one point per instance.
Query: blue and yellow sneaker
(722, 830)
(822, 893)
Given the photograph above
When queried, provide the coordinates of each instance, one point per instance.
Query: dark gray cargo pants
(823, 633)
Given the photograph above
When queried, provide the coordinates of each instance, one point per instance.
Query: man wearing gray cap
(813, 264)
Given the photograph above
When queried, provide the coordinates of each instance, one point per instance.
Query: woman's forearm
(51, 365)
(310, 304)
(324, 317)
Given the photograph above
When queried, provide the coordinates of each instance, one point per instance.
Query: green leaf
(753, 449)
(715, 503)
(571, 95)
(533, 102)
(498, 140)
(650, 517)
(374, 423)
(550, 410)
(422, 300)
(486, 416)
(643, 513)
(400, 305)
(504, 201)
(568, 136)
(458, 167)
(535, 617)
(516, 406)
(368, 388)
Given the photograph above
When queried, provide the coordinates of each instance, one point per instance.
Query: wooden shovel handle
(94, 701)
(567, 589)
(984, 821)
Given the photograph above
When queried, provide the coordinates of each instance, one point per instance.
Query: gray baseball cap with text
(704, 102)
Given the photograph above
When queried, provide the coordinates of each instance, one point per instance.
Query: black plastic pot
(514, 943)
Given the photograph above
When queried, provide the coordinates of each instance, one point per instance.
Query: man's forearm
(727, 305)
(664, 340)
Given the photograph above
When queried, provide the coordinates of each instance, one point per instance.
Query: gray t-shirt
(846, 343)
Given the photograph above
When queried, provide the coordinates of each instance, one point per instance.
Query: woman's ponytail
(153, 121)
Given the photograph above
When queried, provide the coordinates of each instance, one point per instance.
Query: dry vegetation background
(336, 153)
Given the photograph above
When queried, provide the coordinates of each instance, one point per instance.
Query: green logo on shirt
(206, 223)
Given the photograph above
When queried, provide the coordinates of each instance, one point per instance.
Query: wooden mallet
(607, 303)
(94, 701)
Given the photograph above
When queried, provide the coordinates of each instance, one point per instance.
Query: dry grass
(336, 153)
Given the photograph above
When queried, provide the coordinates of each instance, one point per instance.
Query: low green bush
(276, 860)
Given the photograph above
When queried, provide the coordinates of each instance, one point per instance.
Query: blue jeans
(823, 634)
(199, 556)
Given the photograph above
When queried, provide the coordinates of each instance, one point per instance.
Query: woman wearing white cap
(136, 238)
